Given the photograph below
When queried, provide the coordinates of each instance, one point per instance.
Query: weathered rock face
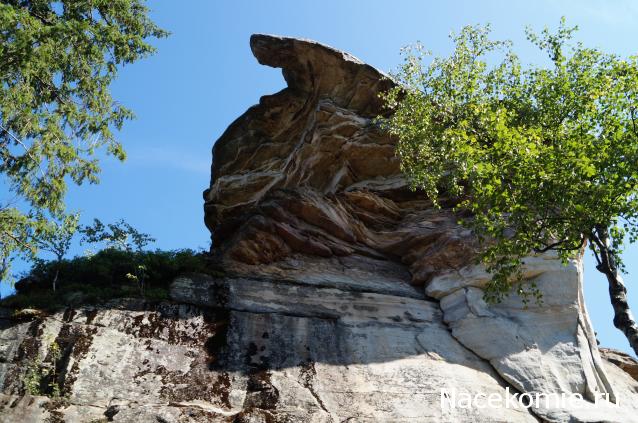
(345, 296)
(306, 188)
(307, 172)
(622, 360)
(136, 361)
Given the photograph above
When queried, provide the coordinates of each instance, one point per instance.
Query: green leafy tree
(540, 157)
(15, 230)
(56, 239)
(58, 59)
(119, 235)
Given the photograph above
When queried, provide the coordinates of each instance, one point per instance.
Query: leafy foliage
(139, 278)
(56, 238)
(119, 235)
(541, 158)
(57, 235)
(16, 229)
(56, 111)
(41, 377)
(100, 277)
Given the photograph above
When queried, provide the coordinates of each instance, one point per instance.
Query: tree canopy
(542, 157)
(58, 59)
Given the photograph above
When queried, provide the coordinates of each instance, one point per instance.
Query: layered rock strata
(344, 297)
(306, 188)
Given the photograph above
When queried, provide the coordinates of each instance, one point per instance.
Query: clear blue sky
(204, 76)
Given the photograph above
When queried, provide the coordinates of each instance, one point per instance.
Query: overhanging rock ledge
(344, 296)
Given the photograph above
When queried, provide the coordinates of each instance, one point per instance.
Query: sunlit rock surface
(343, 296)
(622, 360)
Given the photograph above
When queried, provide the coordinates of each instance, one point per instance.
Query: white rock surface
(537, 348)
(328, 356)
(248, 350)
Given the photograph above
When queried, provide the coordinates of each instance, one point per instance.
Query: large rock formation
(345, 296)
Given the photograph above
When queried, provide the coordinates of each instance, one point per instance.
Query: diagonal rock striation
(306, 187)
(344, 296)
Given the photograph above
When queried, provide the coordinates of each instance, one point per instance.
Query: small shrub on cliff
(40, 377)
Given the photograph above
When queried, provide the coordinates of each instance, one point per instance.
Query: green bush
(103, 276)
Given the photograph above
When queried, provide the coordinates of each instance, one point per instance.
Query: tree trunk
(623, 318)
(55, 278)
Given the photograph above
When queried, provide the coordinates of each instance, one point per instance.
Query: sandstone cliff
(345, 297)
